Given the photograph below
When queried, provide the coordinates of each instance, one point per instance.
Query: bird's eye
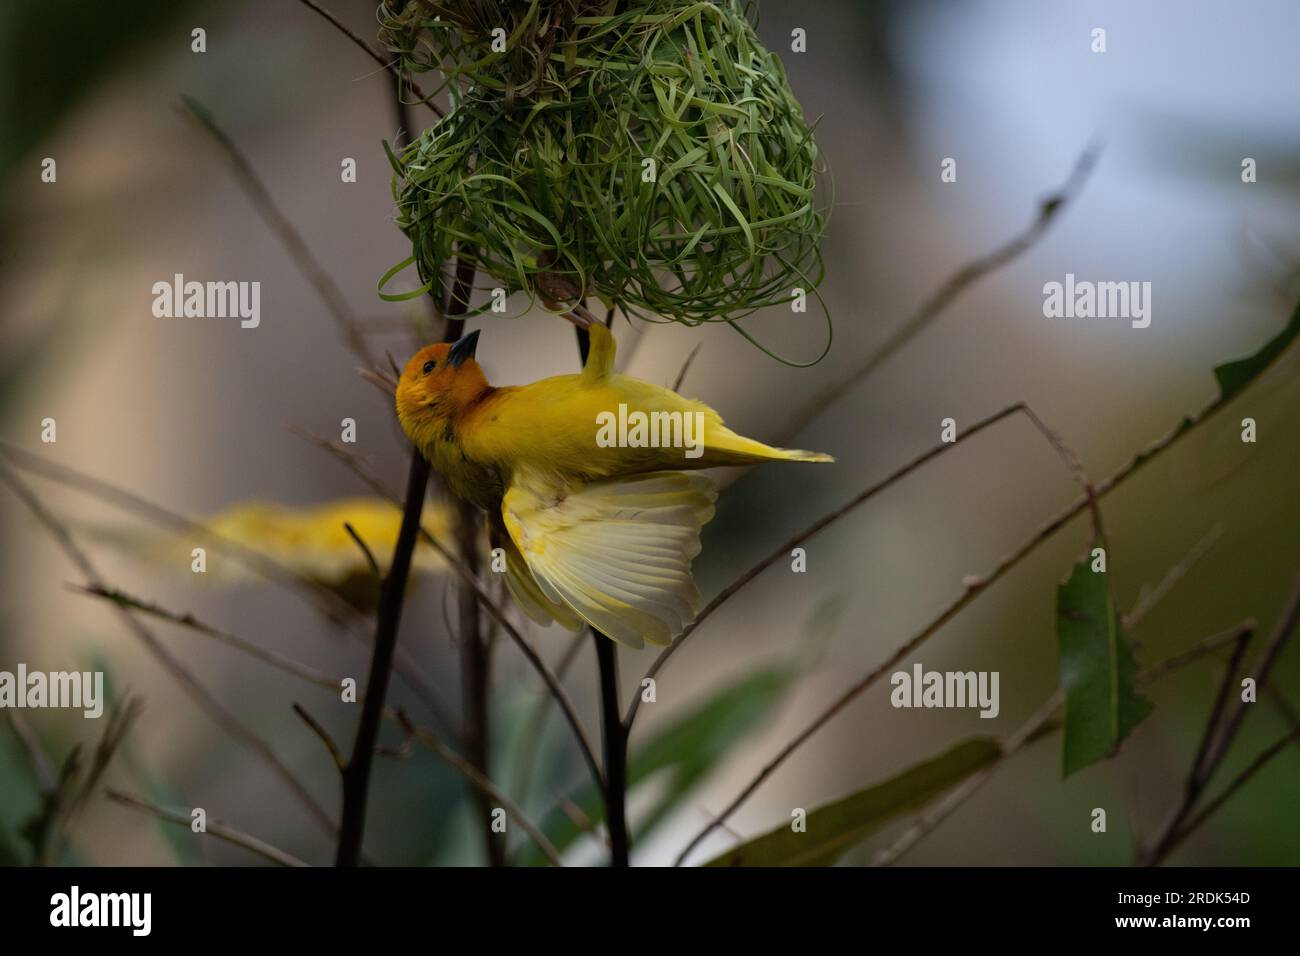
(428, 367)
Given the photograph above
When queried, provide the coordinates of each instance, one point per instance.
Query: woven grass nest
(649, 153)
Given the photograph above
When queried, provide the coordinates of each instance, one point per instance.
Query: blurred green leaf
(1098, 672)
(1234, 376)
(692, 747)
(836, 828)
(683, 754)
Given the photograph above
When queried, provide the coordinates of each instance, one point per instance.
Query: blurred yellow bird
(583, 481)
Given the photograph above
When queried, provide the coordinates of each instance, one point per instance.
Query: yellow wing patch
(616, 552)
(523, 588)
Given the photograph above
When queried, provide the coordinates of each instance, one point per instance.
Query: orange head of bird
(439, 382)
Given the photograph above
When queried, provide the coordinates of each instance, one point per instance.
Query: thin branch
(1236, 784)
(475, 653)
(388, 63)
(485, 786)
(319, 277)
(356, 773)
(530, 745)
(1161, 845)
(201, 696)
(615, 743)
(1150, 598)
(315, 727)
(1208, 646)
(686, 366)
(1260, 671)
(1220, 732)
(215, 828)
(190, 622)
(41, 767)
(961, 280)
(365, 549)
(614, 735)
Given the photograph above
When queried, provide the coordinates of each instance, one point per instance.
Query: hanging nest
(646, 152)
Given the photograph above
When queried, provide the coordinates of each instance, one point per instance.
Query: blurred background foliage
(192, 414)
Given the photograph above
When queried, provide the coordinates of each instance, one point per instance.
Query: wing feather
(618, 552)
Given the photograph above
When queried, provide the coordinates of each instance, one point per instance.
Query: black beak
(463, 349)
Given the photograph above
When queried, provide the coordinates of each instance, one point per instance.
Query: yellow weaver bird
(592, 530)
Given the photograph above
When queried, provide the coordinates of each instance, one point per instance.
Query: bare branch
(1160, 847)
(215, 828)
(333, 748)
(1150, 598)
(388, 63)
(471, 773)
(686, 366)
(1236, 784)
(530, 745)
(190, 622)
(961, 280)
(365, 549)
(311, 268)
(1220, 732)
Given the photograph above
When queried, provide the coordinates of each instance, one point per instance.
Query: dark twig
(365, 548)
(330, 746)
(1220, 732)
(188, 621)
(615, 742)
(356, 772)
(1236, 784)
(491, 791)
(686, 367)
(613, 733)
(1196, 777)
(387, 63)
(214, 828)
(1260, 671)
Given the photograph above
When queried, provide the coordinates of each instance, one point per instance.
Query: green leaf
(679, 756)
(834, 829)
(1234, 376)
(1098, 672)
